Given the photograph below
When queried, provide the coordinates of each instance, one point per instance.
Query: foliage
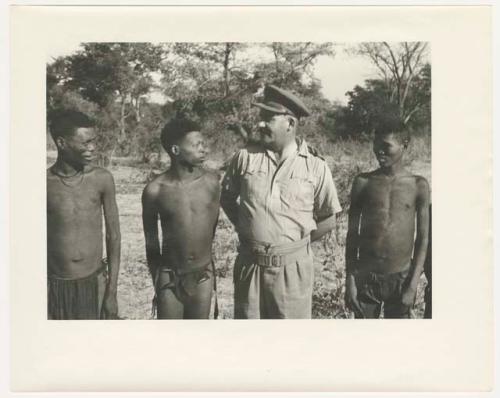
(370, 105)
(398, 65)
(131, 89)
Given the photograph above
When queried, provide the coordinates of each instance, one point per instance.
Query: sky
(337, 74)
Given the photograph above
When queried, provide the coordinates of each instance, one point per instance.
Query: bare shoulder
(102, 178)
(362, 178)
(358, 185)
(212, 177)
(101, 173)
(423, 189)
(421, 181)
(153, 187)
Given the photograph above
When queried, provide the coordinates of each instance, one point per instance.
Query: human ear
(175, 149)
(60, 142)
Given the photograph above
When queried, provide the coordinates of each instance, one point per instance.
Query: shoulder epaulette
(313, 151)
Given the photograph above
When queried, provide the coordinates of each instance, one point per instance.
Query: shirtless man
(428, 272)
(77, 194)
(186, 199)
(384, 255)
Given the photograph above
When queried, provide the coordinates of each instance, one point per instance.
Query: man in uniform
(287, 198)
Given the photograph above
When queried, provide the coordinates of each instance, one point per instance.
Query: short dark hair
(64, 122)
(175, 130)
(392, 124)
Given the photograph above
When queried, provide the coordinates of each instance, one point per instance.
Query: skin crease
(78, 194)
(277, 131)
(186, 200)
(386, 205)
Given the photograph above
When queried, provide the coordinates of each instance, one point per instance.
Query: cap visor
(267, 107)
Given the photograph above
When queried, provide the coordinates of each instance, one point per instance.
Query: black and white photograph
(239, 180)
(278, 184)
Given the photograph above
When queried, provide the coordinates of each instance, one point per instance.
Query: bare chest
(195, 199)
(390, 196)
(66, 200)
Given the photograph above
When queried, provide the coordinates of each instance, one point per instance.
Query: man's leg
(396, 310)
(428, 301)
(392, 288)
(246, 280)
(287, 290)
(168, 305)
(368, 297)
(198, 302)
(101, 289)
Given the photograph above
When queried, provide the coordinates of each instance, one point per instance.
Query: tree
(398, 65)
(365, 107)
(372, 104)
(293, 63)
(115, 73)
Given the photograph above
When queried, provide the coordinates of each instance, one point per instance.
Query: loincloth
(74, 298)
(184, 283)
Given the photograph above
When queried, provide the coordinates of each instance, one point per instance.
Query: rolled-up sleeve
(326, 201)
(231, 180)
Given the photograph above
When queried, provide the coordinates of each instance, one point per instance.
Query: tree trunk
(227, 53)
(136, 103)
(122, 120)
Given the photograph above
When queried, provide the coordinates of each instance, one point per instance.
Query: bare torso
(188, 213)
(387, 226)
(74, 224)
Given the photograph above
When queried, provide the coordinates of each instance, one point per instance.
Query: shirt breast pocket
(254, 184)
(298, 194)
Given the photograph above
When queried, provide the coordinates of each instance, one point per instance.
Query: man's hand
(408, 297)
(351, 297)
(110, 305)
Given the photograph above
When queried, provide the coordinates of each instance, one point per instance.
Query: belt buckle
(275, 260)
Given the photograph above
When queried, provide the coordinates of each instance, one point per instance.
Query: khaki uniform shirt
(279, 203)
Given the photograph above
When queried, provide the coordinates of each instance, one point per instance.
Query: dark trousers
(381, 294)
(428, 300)
(76, 298)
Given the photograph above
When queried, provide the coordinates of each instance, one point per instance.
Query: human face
(78, 149)
(388, 149)
(275, 130)
(192, 149)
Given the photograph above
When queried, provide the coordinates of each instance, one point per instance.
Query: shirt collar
(303, 149)
(292, 148)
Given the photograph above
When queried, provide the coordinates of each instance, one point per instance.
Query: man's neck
(394, 170)
(65, 168)
(185, 172)
(287, 150)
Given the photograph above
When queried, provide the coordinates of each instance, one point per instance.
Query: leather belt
(269, 255)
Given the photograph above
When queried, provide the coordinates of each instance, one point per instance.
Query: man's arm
(323, 227)
(326, 202)
(421, 240)
(352, 245)
(150, 226)
(231, 191)
(217, 187)
(113, 243)
(354, 217)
